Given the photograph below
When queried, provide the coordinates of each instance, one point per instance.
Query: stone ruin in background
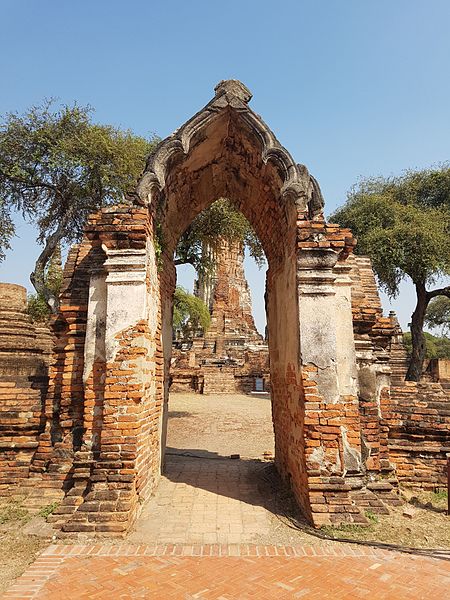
(347, 427)
(231, 356)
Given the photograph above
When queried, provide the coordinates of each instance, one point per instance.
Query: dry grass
(428, 527)
(18, 549)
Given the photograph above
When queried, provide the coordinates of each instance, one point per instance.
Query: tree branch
(32, 185)
(185, 261)
(445, 291)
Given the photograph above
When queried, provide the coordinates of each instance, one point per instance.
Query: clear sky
(351, 87)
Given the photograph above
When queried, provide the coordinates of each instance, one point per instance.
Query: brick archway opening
(228, 163)
(109, 383)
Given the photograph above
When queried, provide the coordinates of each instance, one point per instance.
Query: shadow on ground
(253, 481)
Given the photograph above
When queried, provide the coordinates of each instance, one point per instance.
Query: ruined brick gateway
(102, 441)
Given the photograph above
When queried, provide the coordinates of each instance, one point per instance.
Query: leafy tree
(438, 314)
(403, 224)
(190, 314)
(436, 346)
(427, 187)
(220, 220)
(56, 167)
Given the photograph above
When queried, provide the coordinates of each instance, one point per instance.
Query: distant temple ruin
(231, 355)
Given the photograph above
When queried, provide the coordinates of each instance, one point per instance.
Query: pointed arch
(233, 97)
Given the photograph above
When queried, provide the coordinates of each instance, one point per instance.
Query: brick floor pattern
(205, 502)
(229, 572)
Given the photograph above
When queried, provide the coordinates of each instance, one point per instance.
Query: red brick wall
(417, 417)
(21, 421)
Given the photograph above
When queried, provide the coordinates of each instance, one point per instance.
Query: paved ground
(230, 573)
(206, 501)
(206, 497)
(208, 532)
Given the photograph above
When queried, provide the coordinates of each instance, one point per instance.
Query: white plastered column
(126, 294)
(346, 353)
(326, 335)
(117, 300)
(317, 313)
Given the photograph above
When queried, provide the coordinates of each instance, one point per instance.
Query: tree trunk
(417, 337)
(37, 277)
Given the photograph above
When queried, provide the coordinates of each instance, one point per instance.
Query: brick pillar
(120, 452)
(328, 361)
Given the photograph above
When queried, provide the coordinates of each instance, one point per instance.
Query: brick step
(368, 501)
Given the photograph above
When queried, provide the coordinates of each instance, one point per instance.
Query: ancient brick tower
(231, 356)
(227, 294)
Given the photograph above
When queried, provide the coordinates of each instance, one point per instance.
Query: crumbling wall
(25, 352)
(375, 337)
(438, 369)
(417, 418)
(405, 426)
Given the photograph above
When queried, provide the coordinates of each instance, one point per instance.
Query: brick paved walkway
(214, 572)
(205, 502)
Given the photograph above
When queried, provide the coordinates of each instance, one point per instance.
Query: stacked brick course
(405, 426)
(25, 350)
(417, 418)
(20, 424)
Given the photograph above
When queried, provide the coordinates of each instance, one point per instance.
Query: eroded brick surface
(25, 350)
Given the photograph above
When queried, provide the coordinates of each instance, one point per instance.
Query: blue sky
(351, 87)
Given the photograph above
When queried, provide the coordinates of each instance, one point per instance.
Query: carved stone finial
(316, 202)
(233, 87)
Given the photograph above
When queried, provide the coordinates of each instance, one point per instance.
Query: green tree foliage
(56, 167)
(427, 187)
(436, 346)
(403, 224)
(220, 220)
(6, 229)
(437, 315)
(190, 314)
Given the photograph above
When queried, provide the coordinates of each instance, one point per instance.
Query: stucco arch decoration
(298, 184)
(106, 406)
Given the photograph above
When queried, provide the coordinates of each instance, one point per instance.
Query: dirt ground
(225, 424)
(22, 537)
